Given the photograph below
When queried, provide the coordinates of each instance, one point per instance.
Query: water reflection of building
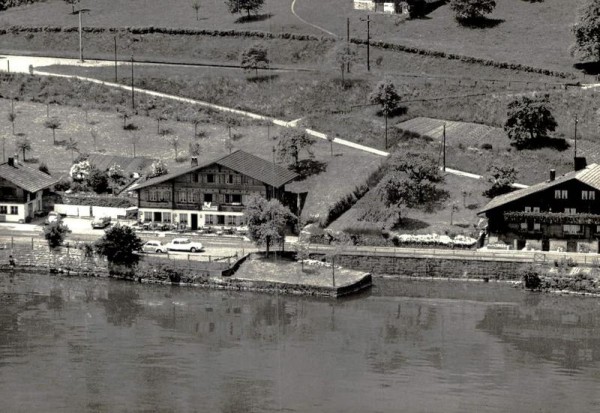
(564, 335)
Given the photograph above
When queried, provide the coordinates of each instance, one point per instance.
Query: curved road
(311, 24)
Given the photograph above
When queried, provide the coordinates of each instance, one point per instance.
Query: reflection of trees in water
(401, 333)
(567, 335)
(121, 305)
(245, 395)
(270, 318)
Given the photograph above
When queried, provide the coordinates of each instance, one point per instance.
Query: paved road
(293, 6)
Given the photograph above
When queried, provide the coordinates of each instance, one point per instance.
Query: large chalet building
(214, 193)
(22, 190)
(560, 214)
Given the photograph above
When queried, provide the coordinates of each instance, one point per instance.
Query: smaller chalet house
(214, 193)
(561, 214)
(21, 191)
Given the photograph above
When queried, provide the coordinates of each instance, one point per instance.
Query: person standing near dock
(12, 264)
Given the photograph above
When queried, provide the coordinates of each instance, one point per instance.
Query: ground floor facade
(534, 242)
(20, 212)
(191, 219)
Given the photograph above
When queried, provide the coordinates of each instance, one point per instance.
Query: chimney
(580, 163)
(552, 174)
(11, 161)
(194, 161)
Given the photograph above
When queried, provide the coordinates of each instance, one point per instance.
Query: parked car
(184, 244)
(100, 222)
(155, 247)
(52, 217)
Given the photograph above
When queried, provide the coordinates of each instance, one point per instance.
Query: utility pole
(116, 78)
(368, 42)
(444, 153)
(132, 90)
(386, 116)
(348, 40)
(81, 34)
(575, 136)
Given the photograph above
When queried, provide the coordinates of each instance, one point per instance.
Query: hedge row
(99, 201)
(164, 30)
(348, 201)
(466, 59)
(6, 4)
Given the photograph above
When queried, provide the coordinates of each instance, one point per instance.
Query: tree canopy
(119, 245)
(501, 177)
(55, 233)
(412, 180)
(254, 58)
(472, 9)
(587, 31)
(266, 220)
(529, 120)
(158, 168)
(344, 55)
(249, 6)
(291, 142)
(386, 96)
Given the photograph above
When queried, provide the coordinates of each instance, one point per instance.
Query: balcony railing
(552, 217)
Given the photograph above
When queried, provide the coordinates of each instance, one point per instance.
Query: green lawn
(536, 34)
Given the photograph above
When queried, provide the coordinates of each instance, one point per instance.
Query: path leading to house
(23, 63)
(292, 7)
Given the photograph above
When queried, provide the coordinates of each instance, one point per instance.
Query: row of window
(209, 219)
(585, 195)
(222, 179)
(537, 209)
(191, 196)
(14, 210)
(567, 228)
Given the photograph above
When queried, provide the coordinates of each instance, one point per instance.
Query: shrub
(487, 146)
(532, 280)
(55, 234)
(63, 185)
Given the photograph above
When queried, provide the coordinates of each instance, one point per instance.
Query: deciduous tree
(53, 124)
(587, 31)
(196, 7)
(119, 245)
(387, 97)
(344, 55)
(158, 168)
(266, 220)
(72, 3)
(73, 146)
(466, 10)
(98, 180)
(254, 58)
(249, 6)
(291, 142)
(413, 180)
(11, 118)
(502, 177)
(55, 233)
(528, 120)
(24, 145)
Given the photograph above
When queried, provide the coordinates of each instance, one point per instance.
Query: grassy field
(536, 34)
(457, 216)
(347, 169)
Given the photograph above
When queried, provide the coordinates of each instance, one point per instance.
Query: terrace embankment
(274, 273)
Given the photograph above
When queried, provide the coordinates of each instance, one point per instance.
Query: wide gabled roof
(239, 161)
(30, 179)
(589, 176)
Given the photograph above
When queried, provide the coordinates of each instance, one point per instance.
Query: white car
(52, 217)
(184, 244)
(155, 247)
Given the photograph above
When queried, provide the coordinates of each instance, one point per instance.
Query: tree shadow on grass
(254, 18)
(399, 111)
(411, 224)
(589, 68)
(480, 23)
(308, 167)
(559, 144)
(262, 78)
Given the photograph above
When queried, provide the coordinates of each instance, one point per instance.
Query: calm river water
(73, 345)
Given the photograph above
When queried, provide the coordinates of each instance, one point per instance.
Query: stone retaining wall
(432, 267)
